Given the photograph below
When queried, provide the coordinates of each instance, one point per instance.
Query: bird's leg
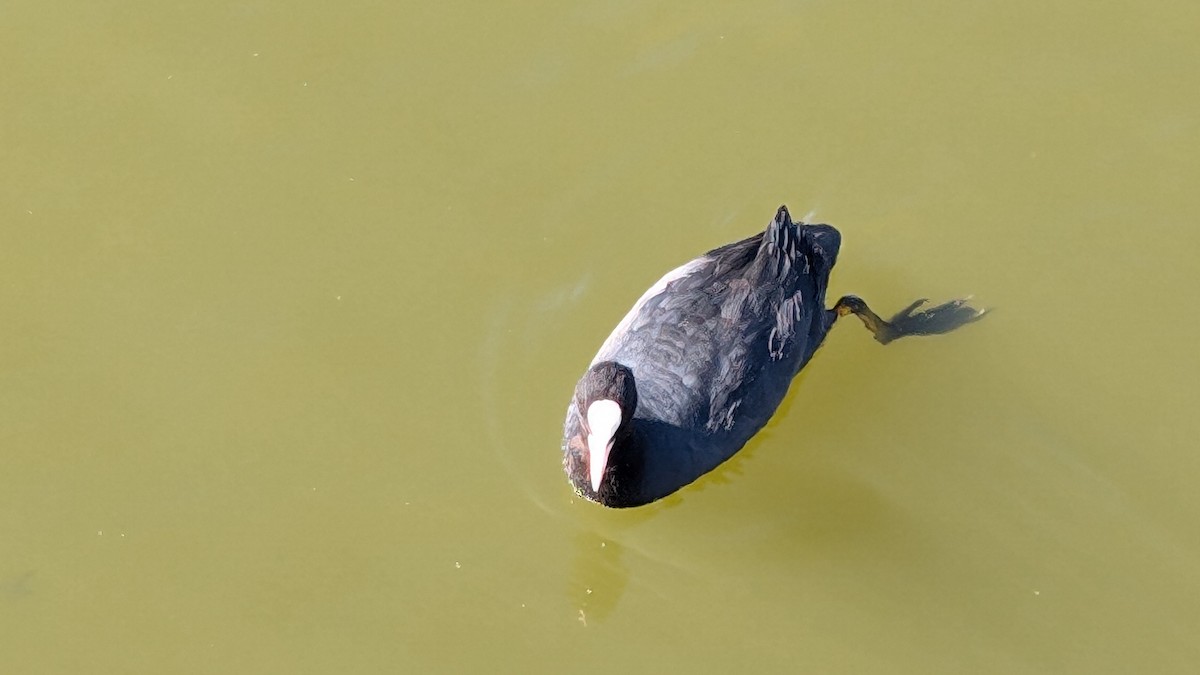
(941, 319)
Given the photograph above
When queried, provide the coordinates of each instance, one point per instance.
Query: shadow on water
(599, 576)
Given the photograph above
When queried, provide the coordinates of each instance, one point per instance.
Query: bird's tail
(813, 247)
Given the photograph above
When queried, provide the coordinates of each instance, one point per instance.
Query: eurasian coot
(705, 357)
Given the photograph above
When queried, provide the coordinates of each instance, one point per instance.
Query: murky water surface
(293, 297)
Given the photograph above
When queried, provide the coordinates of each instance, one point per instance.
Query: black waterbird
(705, 356)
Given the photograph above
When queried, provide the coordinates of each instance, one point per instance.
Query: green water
(293, 297)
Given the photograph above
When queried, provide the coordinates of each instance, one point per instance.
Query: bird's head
(606, 399)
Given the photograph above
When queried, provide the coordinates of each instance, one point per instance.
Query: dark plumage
(705, 357)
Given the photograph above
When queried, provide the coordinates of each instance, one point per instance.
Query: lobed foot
(941, 319)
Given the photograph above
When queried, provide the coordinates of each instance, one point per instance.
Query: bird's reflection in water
(598, 577)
